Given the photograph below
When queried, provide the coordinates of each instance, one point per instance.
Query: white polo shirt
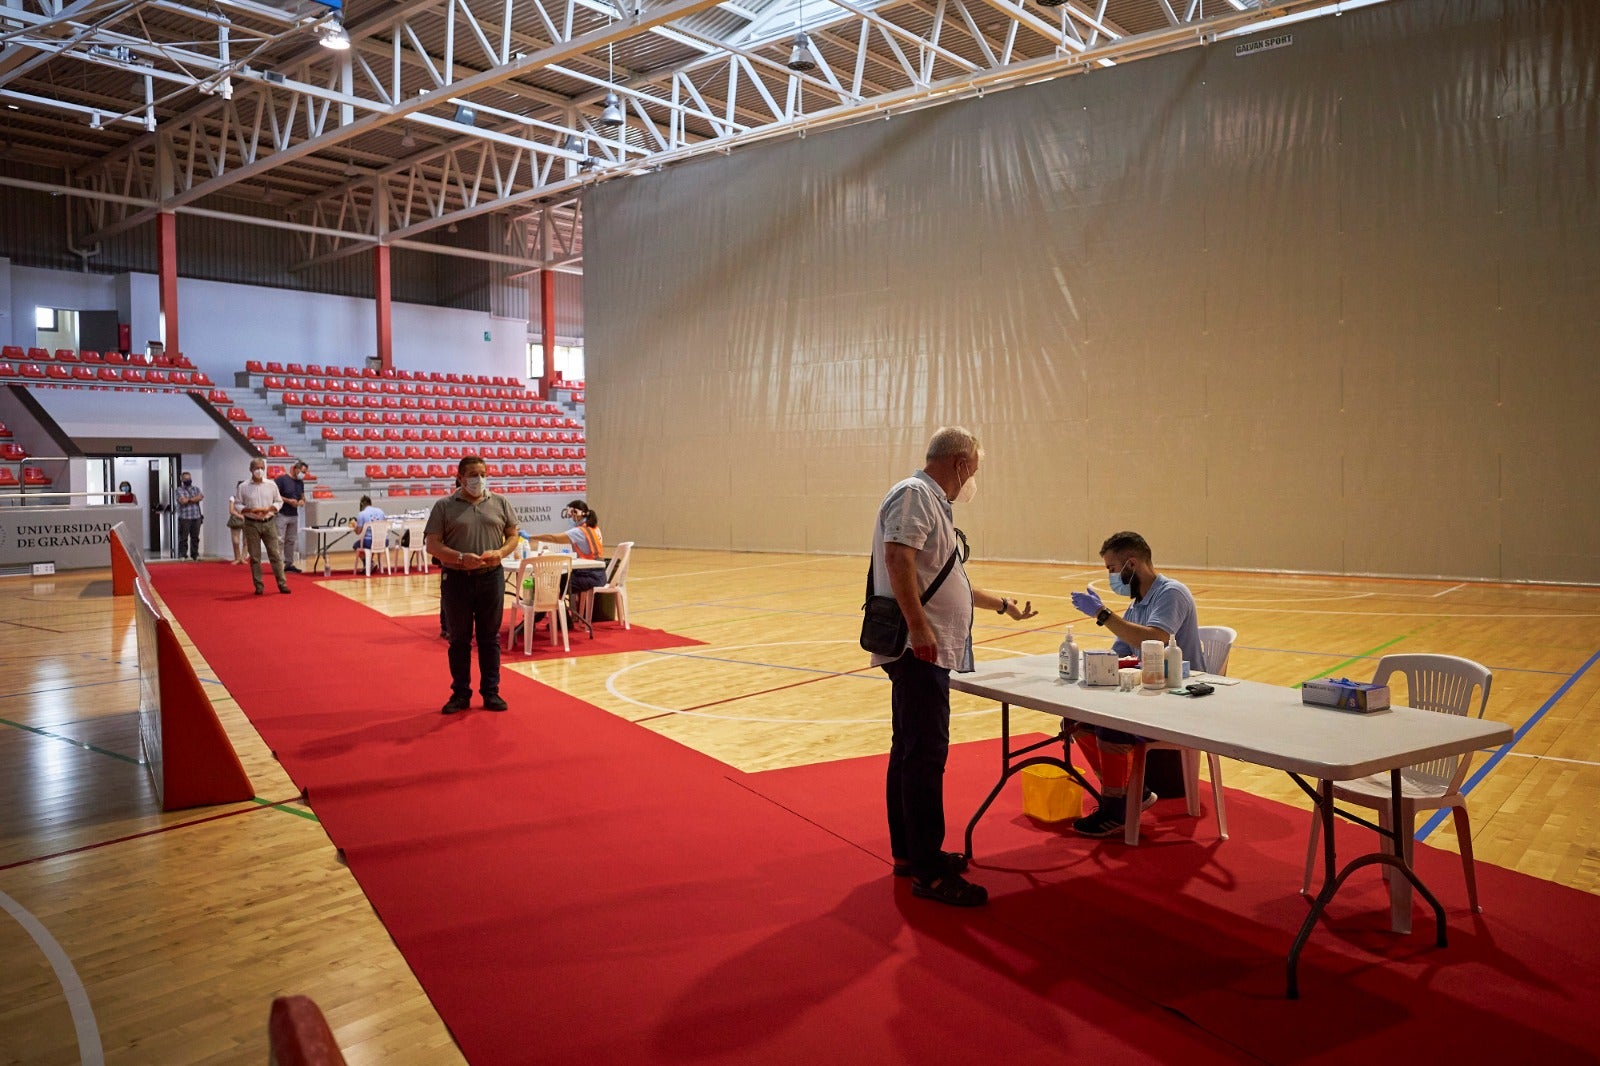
(917, 513)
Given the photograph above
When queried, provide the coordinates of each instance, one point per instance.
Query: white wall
(221, 324)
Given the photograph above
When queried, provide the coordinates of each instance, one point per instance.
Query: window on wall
(44, 319)
(568, 360)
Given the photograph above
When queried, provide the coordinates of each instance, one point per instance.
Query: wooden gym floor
(174, 931)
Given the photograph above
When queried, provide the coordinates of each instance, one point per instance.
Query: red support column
(547, 328)
(385, 325)
(167, 285)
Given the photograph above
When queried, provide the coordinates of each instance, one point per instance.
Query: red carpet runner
(572, 888)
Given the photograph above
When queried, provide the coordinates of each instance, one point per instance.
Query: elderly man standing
(189, 516)
(259, 503)
(469, 532)
(914, 543)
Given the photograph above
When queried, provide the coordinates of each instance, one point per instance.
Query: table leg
(1400, 860)
(1008, 769)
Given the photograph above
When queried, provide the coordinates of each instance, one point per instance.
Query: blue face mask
(1120, 586)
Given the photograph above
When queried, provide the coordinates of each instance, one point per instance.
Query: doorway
(150, 480)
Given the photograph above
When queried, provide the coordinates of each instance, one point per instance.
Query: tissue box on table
(1345, 694)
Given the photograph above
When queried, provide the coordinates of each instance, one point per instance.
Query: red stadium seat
(31, 370)
(12, 353)
(202, 378)
(58, 372)
(276, 471)
(294, 368)
(313, 416)
(66, 355)
(277, 451)
(313, 369)
(375, 472)
(272, 381)
(353, 451)
(217, 396)
(274, 368)
(258, 433)
(396, 470)
(83, 373)
(321, 494)
(35, 477)
(291, 399)
(8, 480)
(253, 366)
(332, 433)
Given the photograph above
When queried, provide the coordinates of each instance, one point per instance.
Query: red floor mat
(1202, 927)
(572, 888)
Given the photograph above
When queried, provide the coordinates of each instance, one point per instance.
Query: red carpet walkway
(572, 888)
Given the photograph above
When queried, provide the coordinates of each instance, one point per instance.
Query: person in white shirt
(259, 503)
(914, 541)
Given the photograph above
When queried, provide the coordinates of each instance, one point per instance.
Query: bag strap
(926, 596)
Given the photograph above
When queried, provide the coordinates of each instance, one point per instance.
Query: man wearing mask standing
(914, 541)
(292, 487)
(1162, 609)
(259, 503)
(189, 516)
(469, 532)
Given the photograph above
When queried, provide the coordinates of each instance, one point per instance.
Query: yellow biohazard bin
(1049, 795)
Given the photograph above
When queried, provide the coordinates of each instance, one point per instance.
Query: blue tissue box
(1345, 694)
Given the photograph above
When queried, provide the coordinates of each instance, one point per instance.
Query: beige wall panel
(1379, 536)
(1265, 532)
(1353, 274)
(1532, 549)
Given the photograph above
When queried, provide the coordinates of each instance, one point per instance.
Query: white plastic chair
(418, 549)
(616, 585)
(548, 573)
(1216, 643)
(1443, 683)
(379, 528)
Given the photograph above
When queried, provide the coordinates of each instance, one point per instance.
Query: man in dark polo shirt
(469, 532)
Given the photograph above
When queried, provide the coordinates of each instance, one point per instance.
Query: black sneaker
(454, 704)
(1104, 822)
(494, 703)
(291, 569)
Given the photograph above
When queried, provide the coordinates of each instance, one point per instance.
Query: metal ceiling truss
(535, 74)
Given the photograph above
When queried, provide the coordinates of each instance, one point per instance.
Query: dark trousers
(921, 743)
(472, 606)
(189, 538)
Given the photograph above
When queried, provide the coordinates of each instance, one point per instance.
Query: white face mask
(969, 489)
(257, 473)
(475, 486)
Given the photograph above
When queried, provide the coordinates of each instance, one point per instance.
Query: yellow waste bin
(1049, 795)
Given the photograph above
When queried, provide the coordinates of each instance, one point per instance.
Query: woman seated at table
(584, 539)
(363, 520)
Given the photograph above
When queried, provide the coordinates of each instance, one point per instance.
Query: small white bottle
(1069, 658)
(1172, 658)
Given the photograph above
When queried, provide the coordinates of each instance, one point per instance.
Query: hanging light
(331, 34)
(800, 54)
(572, 144)
(612, 115)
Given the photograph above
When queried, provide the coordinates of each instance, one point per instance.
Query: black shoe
(443, 635)
(291, 569)
(260, 590)
(1104, 822)
(284, 589)
(952, 889)
(494, 703)
(454, 704)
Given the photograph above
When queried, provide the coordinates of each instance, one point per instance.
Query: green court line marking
(69, 740)
(286, 810)
(1354, 659)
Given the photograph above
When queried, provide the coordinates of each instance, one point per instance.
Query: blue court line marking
(1439, 816)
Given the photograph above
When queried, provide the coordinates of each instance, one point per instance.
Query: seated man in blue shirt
(1162, 609)
(364, 518)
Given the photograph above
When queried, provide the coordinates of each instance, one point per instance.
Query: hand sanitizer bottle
(1172, 659)
(1069, 658)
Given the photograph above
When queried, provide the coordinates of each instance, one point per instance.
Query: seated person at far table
(1162, 609)
(363, 519)
(583, 537)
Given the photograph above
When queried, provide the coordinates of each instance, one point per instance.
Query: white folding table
(1263, 724)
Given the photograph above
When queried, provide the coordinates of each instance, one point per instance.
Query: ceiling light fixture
(612, 115)
(331, 34)
(572, 144)
(465, 115)
(800, 55)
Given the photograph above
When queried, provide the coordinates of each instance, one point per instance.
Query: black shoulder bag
(883, 626)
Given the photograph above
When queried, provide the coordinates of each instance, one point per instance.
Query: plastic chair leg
(1468, 865)
(1215, 763)
(1133, 804)
(1191, 780)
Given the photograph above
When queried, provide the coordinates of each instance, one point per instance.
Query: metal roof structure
(445, 110)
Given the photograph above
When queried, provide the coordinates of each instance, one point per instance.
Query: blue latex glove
(1088, 602)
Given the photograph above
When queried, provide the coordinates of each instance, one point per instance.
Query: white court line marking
(89, 1050)
(611, 687)
(704, 573)
(1552, 758)
(1449, 590)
